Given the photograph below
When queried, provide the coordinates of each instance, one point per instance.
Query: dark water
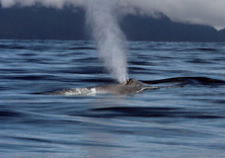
(174, 122)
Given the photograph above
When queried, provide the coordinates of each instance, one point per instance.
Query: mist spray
(102, 19)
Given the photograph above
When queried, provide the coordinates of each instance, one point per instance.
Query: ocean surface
(186, 121)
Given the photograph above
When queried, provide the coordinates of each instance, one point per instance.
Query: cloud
(47, 3)
(208, 12)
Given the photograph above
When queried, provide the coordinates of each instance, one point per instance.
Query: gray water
(166, 123)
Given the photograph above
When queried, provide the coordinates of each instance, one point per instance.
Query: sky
(207, 12)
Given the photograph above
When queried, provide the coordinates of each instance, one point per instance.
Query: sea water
(175, 122)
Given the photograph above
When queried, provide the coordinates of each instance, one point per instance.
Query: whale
(131, 86)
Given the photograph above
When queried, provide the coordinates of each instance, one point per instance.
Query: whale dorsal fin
(134, 83)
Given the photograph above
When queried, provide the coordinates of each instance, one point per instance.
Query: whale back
(128, 87)
(134, 83)
(131, 86)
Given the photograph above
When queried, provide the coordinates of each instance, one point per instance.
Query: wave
(187, 80)
(207, 49)
(81, 48)
(110, 112)
(2, 46)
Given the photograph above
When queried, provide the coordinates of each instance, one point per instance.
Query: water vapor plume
(110, 40)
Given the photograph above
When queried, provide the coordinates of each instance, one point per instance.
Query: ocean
(186, 121)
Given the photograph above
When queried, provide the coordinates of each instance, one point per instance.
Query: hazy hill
(163, 29)
(41, 23)
(69, 24)
(222, 35)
